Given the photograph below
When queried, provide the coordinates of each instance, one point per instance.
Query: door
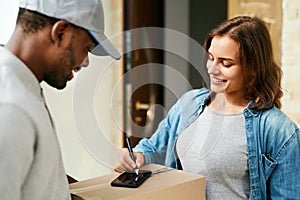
(143, 69)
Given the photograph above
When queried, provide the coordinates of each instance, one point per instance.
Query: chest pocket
(268, 164)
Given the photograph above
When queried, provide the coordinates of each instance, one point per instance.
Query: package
(164, 183)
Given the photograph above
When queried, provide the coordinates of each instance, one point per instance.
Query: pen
(131, 155)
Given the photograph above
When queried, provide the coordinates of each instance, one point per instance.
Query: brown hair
(261, 74)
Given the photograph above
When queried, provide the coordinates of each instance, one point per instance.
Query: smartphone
(131, 179)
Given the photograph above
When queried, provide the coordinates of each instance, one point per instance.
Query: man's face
(71, 59)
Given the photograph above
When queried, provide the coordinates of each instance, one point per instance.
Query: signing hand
(127, 164)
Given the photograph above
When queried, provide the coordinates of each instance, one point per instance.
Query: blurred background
(120, 103)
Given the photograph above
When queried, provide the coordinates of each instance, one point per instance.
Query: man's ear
(58, 31)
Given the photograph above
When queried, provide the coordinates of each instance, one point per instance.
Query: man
(51, 40)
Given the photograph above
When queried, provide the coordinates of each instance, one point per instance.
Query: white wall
(290, 58)
(8, 10)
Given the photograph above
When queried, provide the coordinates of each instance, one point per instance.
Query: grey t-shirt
(215, 146)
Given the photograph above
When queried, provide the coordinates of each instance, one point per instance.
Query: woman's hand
(127, 164)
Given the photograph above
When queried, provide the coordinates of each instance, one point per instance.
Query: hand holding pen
(132, 155)
(126, 163)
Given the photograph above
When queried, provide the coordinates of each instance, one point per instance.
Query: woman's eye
(226, 64)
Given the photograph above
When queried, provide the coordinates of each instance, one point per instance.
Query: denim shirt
(273, 145)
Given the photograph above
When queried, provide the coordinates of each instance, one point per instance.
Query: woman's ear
(58, 31)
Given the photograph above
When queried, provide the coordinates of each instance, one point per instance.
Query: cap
(86, 14)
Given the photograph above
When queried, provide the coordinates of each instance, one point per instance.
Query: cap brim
(104, 47)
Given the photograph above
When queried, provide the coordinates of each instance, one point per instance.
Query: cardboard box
(168, 184)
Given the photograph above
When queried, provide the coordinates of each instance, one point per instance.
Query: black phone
(131, 179)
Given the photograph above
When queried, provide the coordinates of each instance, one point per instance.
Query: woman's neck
(225, 104)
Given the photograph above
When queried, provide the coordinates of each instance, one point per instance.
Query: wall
(7, 23)
(269, 11)
(290, 58)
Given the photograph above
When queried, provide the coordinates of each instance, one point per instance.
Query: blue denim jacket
(273, 145)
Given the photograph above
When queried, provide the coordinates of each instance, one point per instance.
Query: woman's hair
(261, 74)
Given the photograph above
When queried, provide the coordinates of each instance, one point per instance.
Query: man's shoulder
(15, 93)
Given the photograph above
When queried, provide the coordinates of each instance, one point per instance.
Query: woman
(234, 133)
